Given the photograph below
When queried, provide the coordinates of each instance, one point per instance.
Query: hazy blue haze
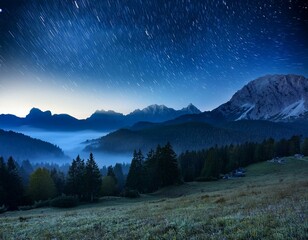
(73, 143)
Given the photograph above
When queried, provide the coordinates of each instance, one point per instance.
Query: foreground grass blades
(270, 203)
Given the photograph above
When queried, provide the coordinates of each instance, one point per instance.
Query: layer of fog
(73, 143)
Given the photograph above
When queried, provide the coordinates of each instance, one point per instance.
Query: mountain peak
(156, 108)
(191, 109)
(37, 113)
(153, 109)
(104, 112)
(271, 97)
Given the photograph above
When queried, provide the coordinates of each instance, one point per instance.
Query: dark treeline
(209, 164)
(26, 186)
(159, 169)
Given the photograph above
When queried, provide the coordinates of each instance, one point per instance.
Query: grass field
(271, 202)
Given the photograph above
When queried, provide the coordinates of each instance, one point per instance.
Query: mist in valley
(73, 144)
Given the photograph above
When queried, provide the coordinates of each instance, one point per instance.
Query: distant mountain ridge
(271, 106)
(100, 120)
(278, 98)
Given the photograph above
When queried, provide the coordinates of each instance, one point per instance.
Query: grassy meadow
(271, 202)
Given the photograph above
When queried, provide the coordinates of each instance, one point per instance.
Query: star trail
(82, 55)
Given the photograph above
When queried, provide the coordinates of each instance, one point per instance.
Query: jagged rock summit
(272, 97)
(190, 109)
(154, 109)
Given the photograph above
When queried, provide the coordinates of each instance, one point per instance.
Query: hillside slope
(269, 203)
(23, 147)
(194, 135)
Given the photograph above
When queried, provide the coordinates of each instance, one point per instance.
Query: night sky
(79, 56)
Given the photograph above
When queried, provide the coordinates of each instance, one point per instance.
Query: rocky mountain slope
(272, 97)
(271, 106)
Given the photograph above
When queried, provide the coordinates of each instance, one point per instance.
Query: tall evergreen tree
(168, 166)
(104, 171)
(14, 185)
(151, 178)
(294, 145)
(93, 179)
(134, 178)
(75, 178)
(213, 164)
(110, 173)
(108, 187)
(187, 168)
(304, 148)
(281, 149)
(3, 182)
(25, 170)
(59, 180)
(119, 177)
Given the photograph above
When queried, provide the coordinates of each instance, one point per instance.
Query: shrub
(3, 209)
(64, 202)
(108, 187)
(206, 179)
(25, 208)
(40, 204)
(131, 194)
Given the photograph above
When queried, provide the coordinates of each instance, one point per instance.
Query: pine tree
(213, 164)
(25, 170)
(119, 177)
(294, 145)
(151, 178)
(75, 178)
(59, 180)
(14, 185)
(3, 182)
(281, 149)
(108, 187)
(168, 166)
(110, 173)
(134, 179)
(304, 149)
(93, 179)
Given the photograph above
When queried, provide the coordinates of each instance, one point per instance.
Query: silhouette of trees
(108, 187)
(221, 160)
(92, 179)
(3, 186)
(11, 188)
(135, 175)
(59, 180)
(84, 179)
(168, 170)
(120, 178)
(304, 147)
(160, 169)
(76, 178)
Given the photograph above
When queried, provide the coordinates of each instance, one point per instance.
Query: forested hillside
(24, 147)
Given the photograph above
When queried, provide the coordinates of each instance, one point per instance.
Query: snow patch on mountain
(272, 97)
(247, 106)
(294, 110)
